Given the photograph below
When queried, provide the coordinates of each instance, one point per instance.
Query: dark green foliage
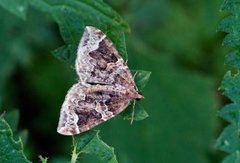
(72, 17)
(175, 40)
(135, 112)
(233, 59)
(17, 7)
(10, 150)
(141, 78)
(229, 140)
(90, 143)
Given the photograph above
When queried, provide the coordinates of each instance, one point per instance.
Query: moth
(105, 87)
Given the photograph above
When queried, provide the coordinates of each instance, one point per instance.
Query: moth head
(139, 96)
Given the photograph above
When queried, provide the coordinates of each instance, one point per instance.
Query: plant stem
(74, 155)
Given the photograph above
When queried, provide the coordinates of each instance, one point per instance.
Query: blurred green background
(175, 40)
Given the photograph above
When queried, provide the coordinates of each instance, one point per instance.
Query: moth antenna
(134, 75)
(134, 79)
(126, 61)
(133, 112)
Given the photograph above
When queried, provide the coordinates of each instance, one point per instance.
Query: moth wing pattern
(98, 61)
(86, 107)
(105, 87)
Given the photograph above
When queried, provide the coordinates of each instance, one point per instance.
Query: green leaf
(64, 53)
(17, 7)
(229, 140)
(230, 86)
(10, 150)
(233, 59)
(230, 25)
(107, 11)
(12, 117)
(70, 24)
(138, 114)
(73, 16)
(230, 113)
(141, 78)
(91, 12)
(230, 6)
(233, 158)
(90, 143)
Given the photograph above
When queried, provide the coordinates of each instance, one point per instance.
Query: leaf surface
(90, 143)
(228, 140)
(10, 150)
(17, 7)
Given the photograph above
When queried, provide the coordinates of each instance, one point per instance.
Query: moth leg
(133, 111)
